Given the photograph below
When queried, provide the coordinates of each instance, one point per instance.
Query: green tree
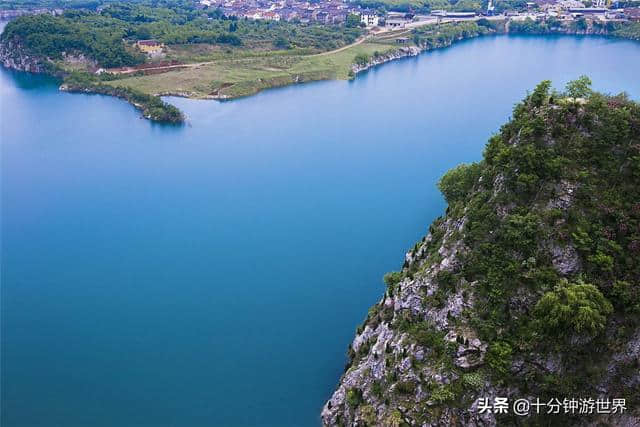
(352, 21)
(282, 43)
(579, 88)
(540, 94)
(458, 182)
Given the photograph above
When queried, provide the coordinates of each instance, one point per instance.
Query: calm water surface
(213, 275)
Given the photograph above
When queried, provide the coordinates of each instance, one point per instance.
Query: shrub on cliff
(572, 308)
(499, 357)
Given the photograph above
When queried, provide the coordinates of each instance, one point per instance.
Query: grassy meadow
(235, 75)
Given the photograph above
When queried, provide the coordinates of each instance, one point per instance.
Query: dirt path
(162, 67)
(340, 49)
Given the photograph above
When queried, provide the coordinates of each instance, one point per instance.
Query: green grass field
(241, 76)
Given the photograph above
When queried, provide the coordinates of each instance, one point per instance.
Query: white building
(369, 20)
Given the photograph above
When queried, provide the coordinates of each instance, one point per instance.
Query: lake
(214, 274)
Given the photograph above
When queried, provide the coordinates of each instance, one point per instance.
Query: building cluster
(336, 12)
(324, 12)
(285, 10)
(573, 9)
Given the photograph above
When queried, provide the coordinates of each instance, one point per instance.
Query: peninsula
(141, 51)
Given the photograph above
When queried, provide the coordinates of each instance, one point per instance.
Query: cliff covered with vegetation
(527, 288)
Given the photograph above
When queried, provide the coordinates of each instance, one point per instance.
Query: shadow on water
(31, 81)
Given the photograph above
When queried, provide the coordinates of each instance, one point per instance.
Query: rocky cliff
(528, 289)
(14, 56)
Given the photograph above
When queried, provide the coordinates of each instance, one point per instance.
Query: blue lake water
(213, 275)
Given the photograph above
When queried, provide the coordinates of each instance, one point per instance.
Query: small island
(144, 50)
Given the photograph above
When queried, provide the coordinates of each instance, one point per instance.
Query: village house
(370, 19)
(150, 47)
(395, 23)
(271, 16)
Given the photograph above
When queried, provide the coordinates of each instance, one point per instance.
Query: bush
(368, 414)
(473, 380)
(499, 357)
(602, 261)
(443, 394)
(626, 296)
(362, 59)
(282, 43)
(406, 387)
(376, 389)
(392, 278)
(578, 307)
(424, 334)
(354, 397)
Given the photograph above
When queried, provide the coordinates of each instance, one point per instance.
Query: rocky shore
(402, 52)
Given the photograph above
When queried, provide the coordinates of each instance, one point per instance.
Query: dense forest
(108, 36)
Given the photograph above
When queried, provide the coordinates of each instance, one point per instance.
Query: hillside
(527, 288)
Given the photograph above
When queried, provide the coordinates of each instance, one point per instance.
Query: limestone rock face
(391, 354)
(565, 259)
(381, 59)
(12, 55)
